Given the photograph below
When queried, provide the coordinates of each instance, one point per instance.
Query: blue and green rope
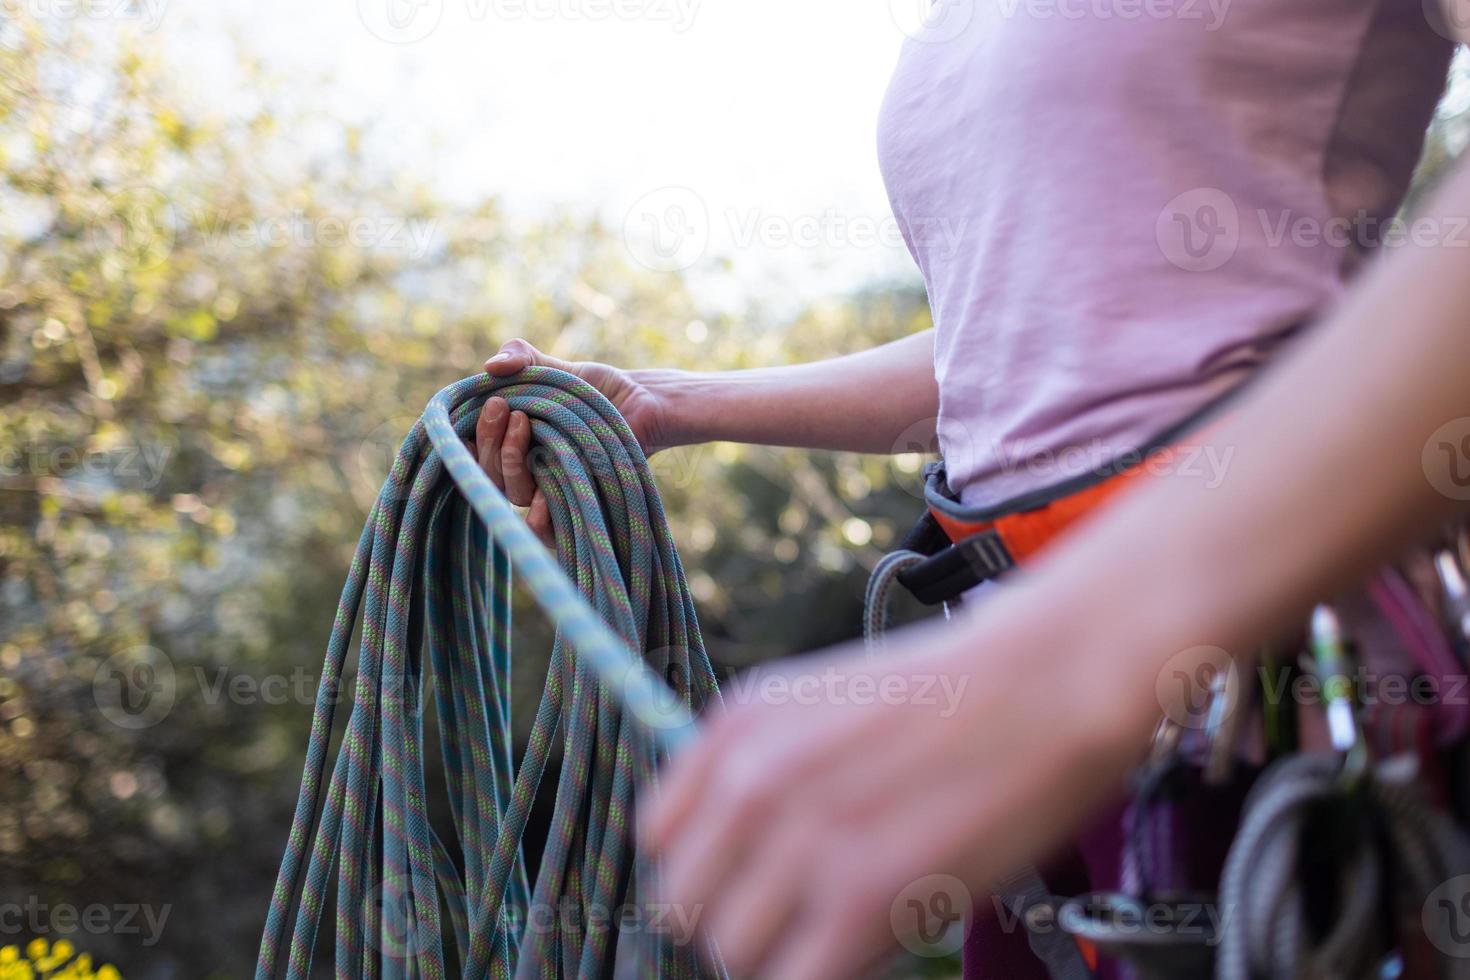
(628, 673)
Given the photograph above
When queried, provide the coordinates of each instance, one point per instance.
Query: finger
(759, 783)
(489, 433)
(519, 484)
(704, 852)
(539, 519)
(686, 781)
(804, 741)
(816, 952)
(517, 354)
(761, 899)
(825, 940)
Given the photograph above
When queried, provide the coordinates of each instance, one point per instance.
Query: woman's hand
(798, 828)
(503, 438)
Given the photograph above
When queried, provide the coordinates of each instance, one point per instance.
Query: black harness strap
(951, 570)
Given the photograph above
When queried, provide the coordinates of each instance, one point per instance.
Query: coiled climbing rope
(1405, 851)
(432, 577)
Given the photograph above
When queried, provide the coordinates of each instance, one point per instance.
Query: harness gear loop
(628, 672)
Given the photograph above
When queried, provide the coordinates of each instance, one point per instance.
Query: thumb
(517, 354)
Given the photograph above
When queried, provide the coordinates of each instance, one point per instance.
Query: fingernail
(498, 358)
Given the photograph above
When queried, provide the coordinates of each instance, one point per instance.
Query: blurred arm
(1347, 451)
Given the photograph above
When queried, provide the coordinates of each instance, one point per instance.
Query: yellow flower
(42, 963)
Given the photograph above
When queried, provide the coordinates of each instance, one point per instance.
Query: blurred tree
(211, 339)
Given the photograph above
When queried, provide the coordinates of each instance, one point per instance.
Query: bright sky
(760, 114)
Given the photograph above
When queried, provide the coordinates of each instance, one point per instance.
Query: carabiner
(1330, 653)
(1456, 593)
(1222, 725)
(1162, 938)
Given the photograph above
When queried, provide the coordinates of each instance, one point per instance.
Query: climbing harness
(953, 547)
(628, 674)
(1337, 852)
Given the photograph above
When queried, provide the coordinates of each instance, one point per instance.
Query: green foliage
(211, 339)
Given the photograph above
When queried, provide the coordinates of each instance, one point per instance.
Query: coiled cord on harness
(1402, 844)
(432, 577)
(879, 595)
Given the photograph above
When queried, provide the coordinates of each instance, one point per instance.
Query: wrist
(1096, 669)
(681, 400)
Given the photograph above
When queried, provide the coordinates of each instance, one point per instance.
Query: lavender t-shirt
(1122, 207)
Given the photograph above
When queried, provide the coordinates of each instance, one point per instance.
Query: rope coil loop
(1399, 845)
(432, 577)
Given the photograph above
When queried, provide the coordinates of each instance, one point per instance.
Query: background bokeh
(213, 333)
(216, 322)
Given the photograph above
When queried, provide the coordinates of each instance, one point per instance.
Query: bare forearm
(862, 402)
